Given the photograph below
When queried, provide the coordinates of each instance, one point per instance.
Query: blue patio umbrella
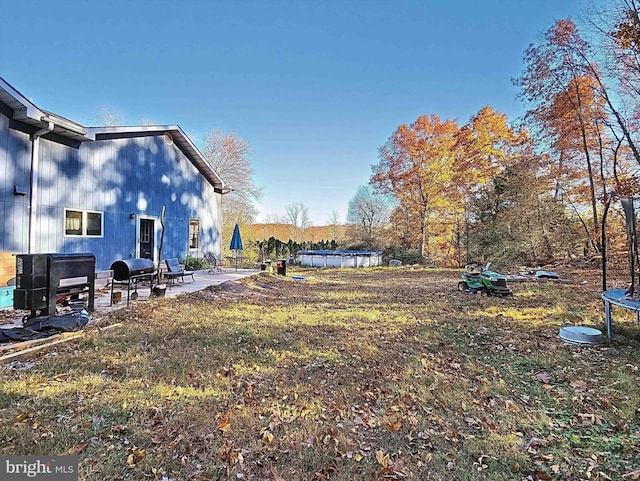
(236, 243)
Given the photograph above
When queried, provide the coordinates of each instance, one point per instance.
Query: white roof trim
(25, 111)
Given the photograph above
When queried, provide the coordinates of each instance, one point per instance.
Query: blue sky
(314, 87)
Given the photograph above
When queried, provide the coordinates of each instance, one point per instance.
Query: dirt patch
(251, 287)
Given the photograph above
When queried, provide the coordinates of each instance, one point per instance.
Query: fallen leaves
(77, 449)
(223, 424)
(394, 427)
(543, 377)
(135, 455)
(406, 379)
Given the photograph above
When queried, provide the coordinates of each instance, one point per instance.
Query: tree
(109, 117)
(369, 212)
(485, 147)
(562, 85)
(297, 216)
(514, 218)
(333, 222)
(228, 155)
(417, 167)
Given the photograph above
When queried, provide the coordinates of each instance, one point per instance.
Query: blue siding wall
(15, 161)
(117, 176)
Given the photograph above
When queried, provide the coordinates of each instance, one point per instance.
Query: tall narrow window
(145, 232)
(194, 233)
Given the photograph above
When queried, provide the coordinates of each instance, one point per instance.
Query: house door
(147, 231)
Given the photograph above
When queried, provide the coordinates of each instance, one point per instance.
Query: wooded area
(534, 192)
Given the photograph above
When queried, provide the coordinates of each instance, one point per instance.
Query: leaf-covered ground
(368, 374)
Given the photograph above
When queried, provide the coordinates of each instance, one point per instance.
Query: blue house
(116, 192)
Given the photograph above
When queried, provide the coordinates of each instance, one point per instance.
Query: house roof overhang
(26, 112)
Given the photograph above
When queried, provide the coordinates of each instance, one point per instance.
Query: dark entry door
(146, 238)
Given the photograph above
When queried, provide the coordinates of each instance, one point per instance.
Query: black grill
(127, 268)
(129, 272)
(42, 278)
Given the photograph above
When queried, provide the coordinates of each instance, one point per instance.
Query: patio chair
(174, 271)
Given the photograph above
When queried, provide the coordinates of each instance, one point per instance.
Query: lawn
(352, 374)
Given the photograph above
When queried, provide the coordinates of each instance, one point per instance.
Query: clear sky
(314, 87)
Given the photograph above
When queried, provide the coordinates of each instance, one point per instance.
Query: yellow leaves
(22, 417)
(135, 455)
(230, 454)
(249, 392)
(266, 435)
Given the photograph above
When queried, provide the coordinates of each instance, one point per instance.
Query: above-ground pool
(345, 258)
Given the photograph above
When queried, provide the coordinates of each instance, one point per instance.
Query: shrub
(194, 263)
(407, 256)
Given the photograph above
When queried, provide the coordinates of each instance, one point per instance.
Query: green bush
(407, 256)
(194, 263)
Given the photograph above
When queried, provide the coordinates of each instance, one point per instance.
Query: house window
(73, 222)
(194, 233)
(82, 223)
(94, 224)
(145, 232)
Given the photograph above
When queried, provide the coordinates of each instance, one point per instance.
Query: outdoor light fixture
(132, 216)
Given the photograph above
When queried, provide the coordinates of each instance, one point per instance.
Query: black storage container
(42, 278)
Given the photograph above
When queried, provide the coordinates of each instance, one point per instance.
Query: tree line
(530, 192)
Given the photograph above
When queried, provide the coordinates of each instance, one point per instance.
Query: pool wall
(344, 258)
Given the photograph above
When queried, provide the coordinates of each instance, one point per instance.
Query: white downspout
(33, 184)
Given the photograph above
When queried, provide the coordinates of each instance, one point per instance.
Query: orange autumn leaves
(432, 166)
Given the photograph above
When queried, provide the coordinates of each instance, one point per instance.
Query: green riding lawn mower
(480, 279)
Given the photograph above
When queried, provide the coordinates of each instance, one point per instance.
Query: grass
(368, 374)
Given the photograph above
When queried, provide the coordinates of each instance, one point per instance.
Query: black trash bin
(282, 267)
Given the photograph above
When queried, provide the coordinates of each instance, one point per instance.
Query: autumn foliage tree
(435, 169)
(532, 194)
(416, 166)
